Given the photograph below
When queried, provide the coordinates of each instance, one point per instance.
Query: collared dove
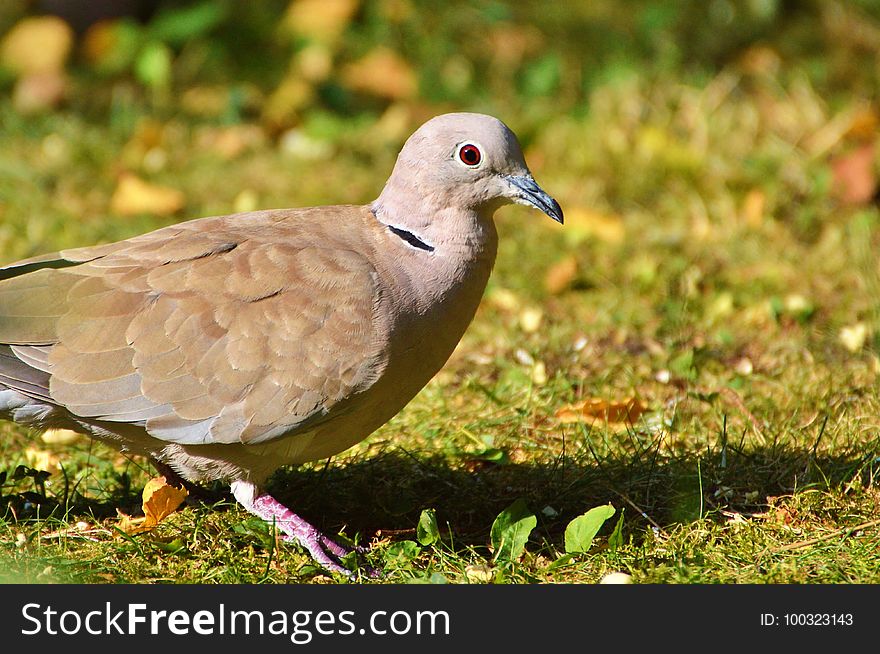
(225, 347)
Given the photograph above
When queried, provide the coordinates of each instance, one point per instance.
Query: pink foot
(323, 550)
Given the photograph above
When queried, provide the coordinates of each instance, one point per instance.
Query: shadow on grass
(386, 492)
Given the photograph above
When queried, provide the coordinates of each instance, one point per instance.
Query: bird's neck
(448, 231)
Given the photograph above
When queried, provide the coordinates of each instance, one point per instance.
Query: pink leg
(325, 551)
(322, 549)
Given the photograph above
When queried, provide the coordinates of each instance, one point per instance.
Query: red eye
(469, 155)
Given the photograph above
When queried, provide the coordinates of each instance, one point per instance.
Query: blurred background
(686, 141)
(716, 160)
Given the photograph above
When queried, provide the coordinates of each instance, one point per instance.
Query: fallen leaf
(41, 459)
(36, 45)
(292, 95)
(230, 141)
(864, 124)
(539, 374)
(530, 319)
(753, 207)
(504, 299)
(582, 223)
(593, 409)
(314, 62)
(479, 573)
(159, 501)
(383, 73)
(510, 44)
(322, 20)
(854, 180)
(135, 196)
(37, 92)
(560, 275)
(853, 337)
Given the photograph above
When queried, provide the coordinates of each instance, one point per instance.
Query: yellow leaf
(130, 525)
(582, 223)
(41, 459)
(314, 62)
(383, 73)
(286, 101)
(854, 336)
(135, 196)
(504, 299)
(595, 408)
(479, 573)
(323, 20)
(530, 319)
(37, 45)
(753, 207)
(560, 275)
(161, 500)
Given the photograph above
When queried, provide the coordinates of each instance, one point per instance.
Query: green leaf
(560, 562)
(153, 65)
(615, 540)
(580, 532)
(683, 365)
(173, 547)
(402, 552)
(427, 532)
(178, 26)
(542, 77)
(511, 530)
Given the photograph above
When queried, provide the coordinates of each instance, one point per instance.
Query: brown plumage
(226, 347)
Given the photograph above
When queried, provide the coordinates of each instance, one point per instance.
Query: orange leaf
(596, 408)
(753, 207)
(560, 275)
(159, 501)
(383, 73)
(853, 175)
(134, 196)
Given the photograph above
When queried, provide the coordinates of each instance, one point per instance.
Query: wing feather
(223, 330)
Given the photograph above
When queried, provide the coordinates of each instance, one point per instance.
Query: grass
(715, 268)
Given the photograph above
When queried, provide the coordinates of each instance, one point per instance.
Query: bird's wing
(213, 331)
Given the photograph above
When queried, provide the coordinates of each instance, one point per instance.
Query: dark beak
(526, 191)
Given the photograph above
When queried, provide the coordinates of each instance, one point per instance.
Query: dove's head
(464, 161)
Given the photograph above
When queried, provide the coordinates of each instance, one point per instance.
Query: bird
(226, 347)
